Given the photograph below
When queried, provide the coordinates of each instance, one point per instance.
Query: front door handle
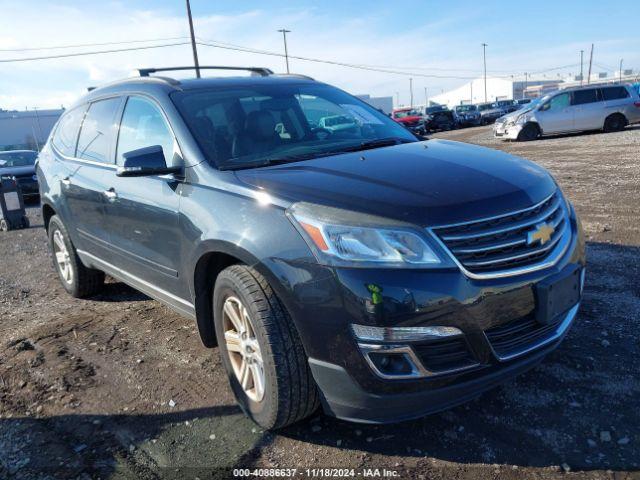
(66, 181)
(110, 194)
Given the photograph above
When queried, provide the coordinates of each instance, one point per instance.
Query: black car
(379, 276)
(489, 113)
(21, 165)
(467, 115)
(439, 118)
(507, 106)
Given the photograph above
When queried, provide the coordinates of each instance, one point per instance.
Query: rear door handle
(110, 194)
(65, 181)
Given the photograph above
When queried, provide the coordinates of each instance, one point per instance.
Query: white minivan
(607, 108)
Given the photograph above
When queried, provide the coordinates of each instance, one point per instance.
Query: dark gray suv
(358, 268)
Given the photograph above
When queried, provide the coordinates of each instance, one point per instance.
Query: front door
(557, 114)
(142, 213)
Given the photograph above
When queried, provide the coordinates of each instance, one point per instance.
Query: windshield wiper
(266, 162)
(378, 143)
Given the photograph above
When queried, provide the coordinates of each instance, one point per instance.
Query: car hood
(428, 183)
(17, 171)
(515, 114)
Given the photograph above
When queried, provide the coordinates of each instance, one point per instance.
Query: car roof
(160, 85)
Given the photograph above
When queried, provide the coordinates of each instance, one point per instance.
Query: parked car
(337, 123)
(507, 106)
(379, 276)
(21, 165)
(522, 102)
(607, 108)
(410, 118)
(467, 115)
(489, 113)
(439, 117)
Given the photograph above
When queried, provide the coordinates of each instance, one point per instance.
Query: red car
(410, 118)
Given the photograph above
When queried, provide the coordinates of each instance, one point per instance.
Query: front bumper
(351, 389)
(507, 131)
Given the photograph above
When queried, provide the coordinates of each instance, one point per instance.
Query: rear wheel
(529, 132)
(615, 123)
(261, 350)
(77, 280)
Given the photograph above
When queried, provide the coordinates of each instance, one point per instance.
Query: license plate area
(555, 295)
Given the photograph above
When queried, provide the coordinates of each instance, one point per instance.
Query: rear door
(588, 109)
(142, 213)
(88, 169)
(557, 114)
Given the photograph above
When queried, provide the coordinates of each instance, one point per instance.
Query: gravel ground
(120, 387)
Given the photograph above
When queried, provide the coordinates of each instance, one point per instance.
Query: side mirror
(544, 107)
(145, 162)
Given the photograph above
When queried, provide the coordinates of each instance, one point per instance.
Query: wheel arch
(212, 258)
(617, 113)
(47, 212)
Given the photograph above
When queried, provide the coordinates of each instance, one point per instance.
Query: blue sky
(420, 38)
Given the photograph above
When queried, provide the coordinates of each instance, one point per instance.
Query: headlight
(344, 238)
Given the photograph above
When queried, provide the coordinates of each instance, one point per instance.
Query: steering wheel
(321, 133)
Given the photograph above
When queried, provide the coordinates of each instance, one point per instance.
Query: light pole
(621, 70)
(193, 41)
(426, 98)
(484, 59)
(581, 66)
(411, 92)
(397, 99)
(284, 32)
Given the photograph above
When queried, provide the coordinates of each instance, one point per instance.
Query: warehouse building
(497, 89)
(27, 129)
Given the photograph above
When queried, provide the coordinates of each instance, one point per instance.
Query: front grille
(502, 243)
(519, 335)
(445, 355)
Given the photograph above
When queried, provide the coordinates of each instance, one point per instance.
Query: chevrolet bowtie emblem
(542, 233)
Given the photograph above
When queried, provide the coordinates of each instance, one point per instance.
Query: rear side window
(580, 97)
(96, 134)
(66, 135)
(143, 125)
(614, 93)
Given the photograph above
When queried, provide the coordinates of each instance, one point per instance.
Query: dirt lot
(120, 387)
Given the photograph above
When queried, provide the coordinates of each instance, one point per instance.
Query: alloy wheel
(243, 348)
(63, 259)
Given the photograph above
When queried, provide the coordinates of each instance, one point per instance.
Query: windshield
(438, 108)
(17, 159)
(485, 106)
(406, 113)
(466, 108)
(239, 127)
(530, 105)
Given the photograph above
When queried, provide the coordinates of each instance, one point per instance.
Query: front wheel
(529, 132)
(261, 350)
(77, 280)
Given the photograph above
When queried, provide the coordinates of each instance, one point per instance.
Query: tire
(79, 281)
(529, 132)
(4, 225)
(289, 391)
(614, 123)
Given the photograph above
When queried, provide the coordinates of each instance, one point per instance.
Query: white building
(29, 129)
(497, 89)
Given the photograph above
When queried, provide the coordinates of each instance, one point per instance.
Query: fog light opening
(392, 364)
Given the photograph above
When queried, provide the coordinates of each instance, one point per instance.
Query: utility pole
(411, 92)
(484, 59)
(193, 41)
(397, 99)
(284, 32)
(526, 83)
(621, 70)
(471, 84)
(590, 64)
(581, 66)
(426, 98)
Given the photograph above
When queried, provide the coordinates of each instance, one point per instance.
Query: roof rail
(294, 75)
(261, 71)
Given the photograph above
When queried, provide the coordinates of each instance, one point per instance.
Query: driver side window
(143, 125)
(559, 102)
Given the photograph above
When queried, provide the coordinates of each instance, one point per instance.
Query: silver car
(607, 108)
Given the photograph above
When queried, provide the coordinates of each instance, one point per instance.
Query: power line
(80, 45)
(98, 52)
